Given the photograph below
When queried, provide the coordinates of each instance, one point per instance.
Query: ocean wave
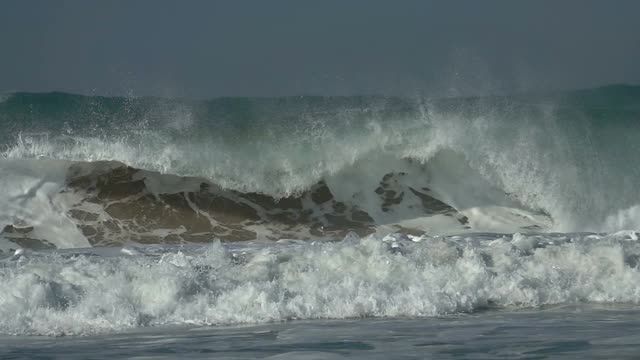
(81, 171)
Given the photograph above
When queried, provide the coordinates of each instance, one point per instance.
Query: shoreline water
(562, 332)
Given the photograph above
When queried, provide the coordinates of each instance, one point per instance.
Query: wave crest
(562, 162)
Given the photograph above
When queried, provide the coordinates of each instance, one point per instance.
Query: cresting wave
(80, 171)
(113, 289)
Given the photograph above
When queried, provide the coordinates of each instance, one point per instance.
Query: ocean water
(565, 332)
(320, 227)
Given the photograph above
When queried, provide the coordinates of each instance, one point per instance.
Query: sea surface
(320, 227)
(564, 332)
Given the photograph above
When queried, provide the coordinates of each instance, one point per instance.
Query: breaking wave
(114, 289)
(80, 171)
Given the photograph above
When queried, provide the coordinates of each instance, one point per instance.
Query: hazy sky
(216, 48)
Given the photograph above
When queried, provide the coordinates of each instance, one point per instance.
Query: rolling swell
(85, 171)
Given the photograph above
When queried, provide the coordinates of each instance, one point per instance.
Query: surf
(115, 289)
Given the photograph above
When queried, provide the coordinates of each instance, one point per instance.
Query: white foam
(99, 292)
(31, 194)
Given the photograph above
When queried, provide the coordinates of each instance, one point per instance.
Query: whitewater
(274, 220)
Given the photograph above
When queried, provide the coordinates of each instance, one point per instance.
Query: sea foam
(104, 290)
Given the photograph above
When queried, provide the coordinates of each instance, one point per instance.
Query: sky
(208, 48)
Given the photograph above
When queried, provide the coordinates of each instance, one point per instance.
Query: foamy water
(98, 291)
